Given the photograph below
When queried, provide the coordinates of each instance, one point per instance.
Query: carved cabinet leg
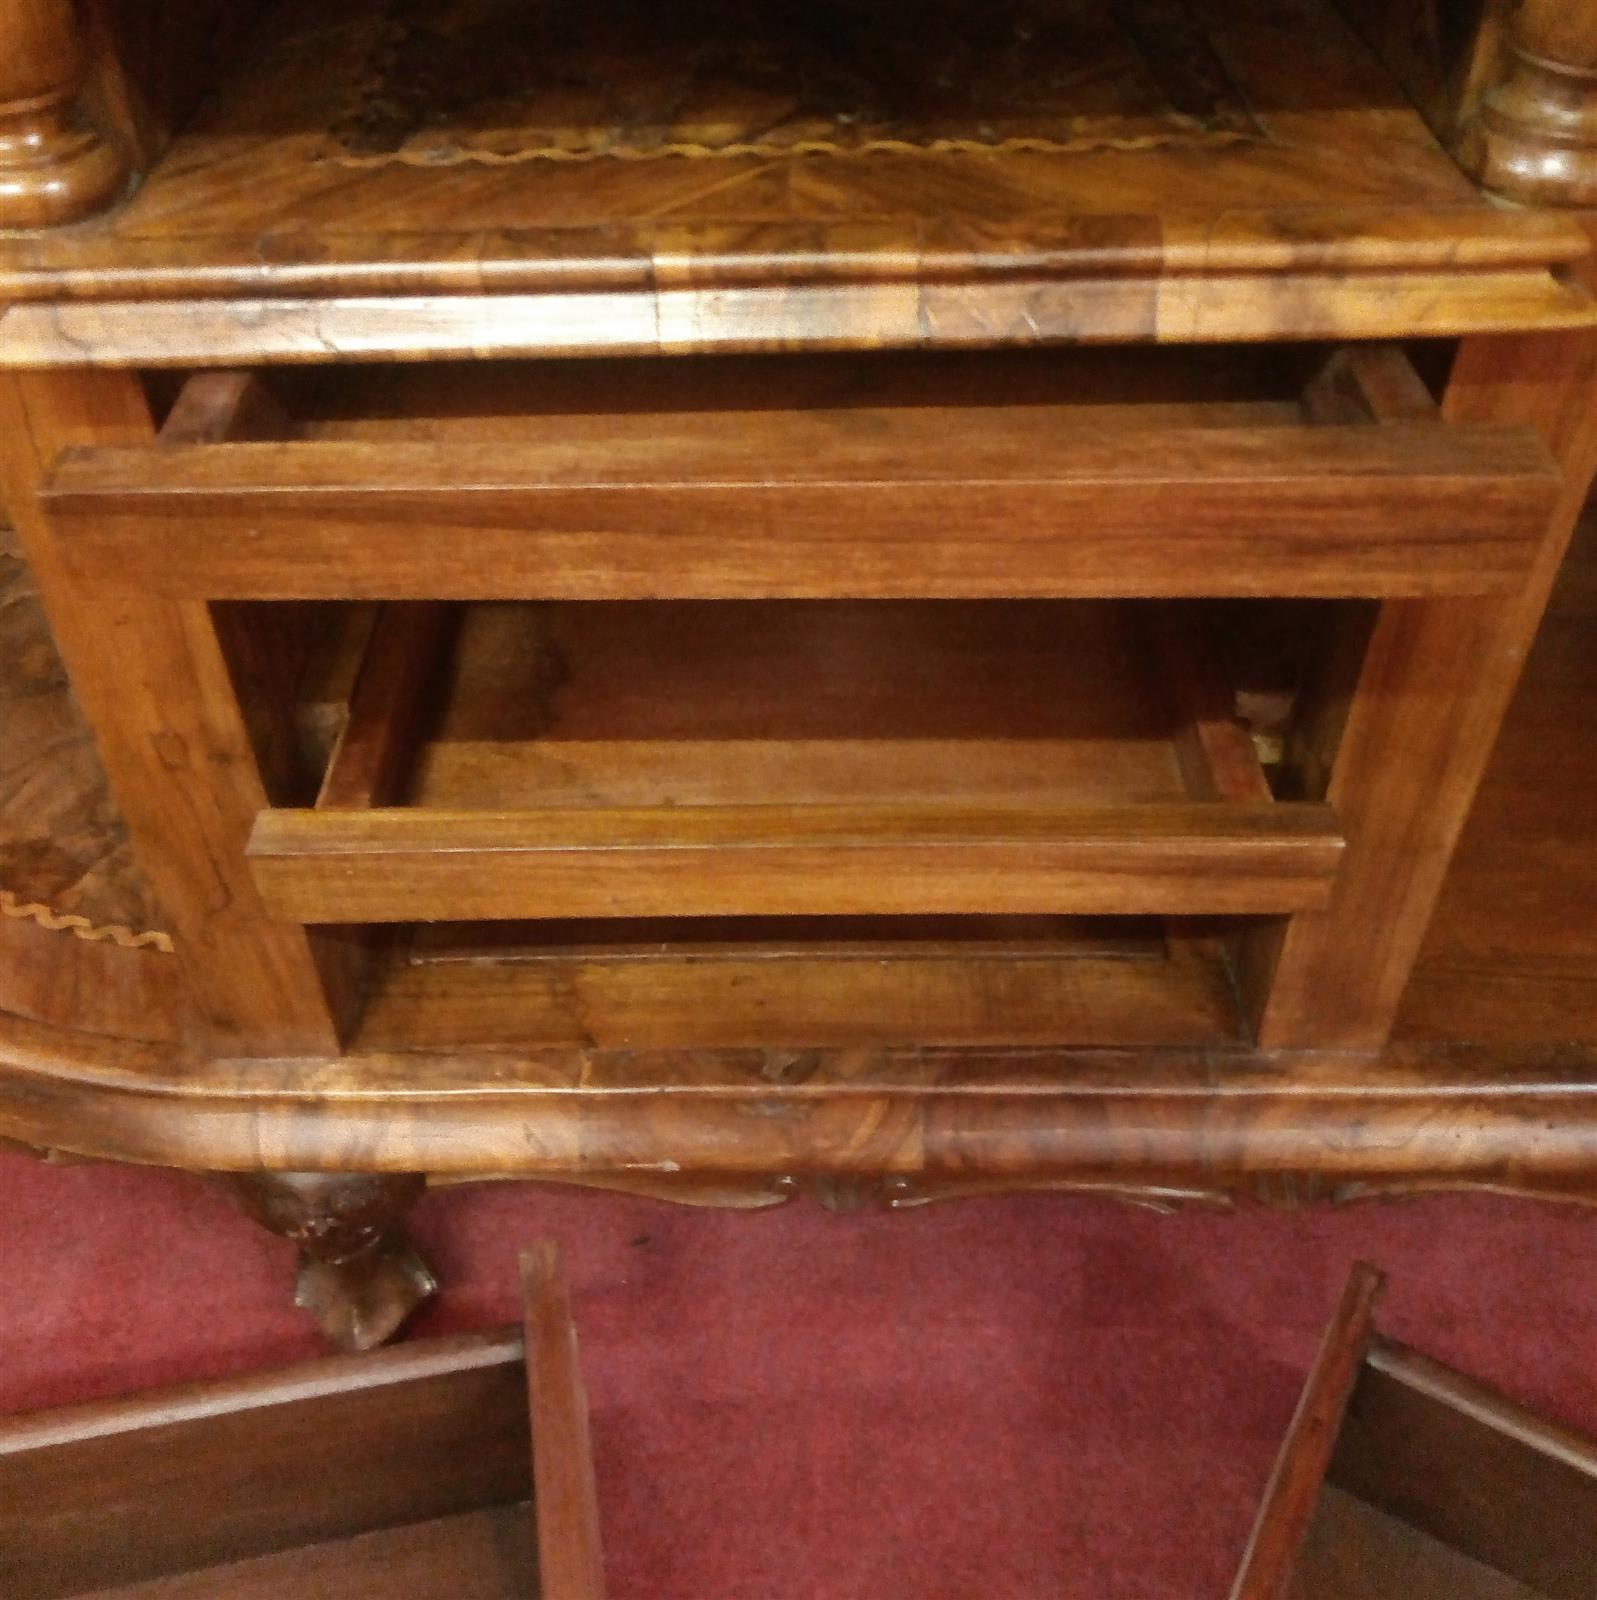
(359, 1275)
(1535, 135)
(55, 166)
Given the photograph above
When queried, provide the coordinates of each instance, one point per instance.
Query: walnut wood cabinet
(917, 612)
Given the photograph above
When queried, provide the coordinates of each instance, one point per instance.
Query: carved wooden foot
(359, 1276)
(55, 166)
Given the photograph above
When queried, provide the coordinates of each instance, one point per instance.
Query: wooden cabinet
(925, 625)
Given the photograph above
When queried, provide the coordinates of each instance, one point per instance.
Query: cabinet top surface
(504, 147)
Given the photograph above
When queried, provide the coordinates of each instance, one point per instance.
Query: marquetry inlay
(494, 81)
(65, 862)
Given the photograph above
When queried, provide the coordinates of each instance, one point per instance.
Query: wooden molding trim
(1170, 1127)
(1196, 309)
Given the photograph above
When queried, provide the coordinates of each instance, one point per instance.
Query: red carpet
(1003, 1399)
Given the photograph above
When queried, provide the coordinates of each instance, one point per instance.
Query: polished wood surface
(359, 1276)
(1510, 963)
(881, 860)
(56, 165)
(1534, 135)
(960, 503)
(155, 685)
(1401, 1476)
(1410, 754)
(1194, 171)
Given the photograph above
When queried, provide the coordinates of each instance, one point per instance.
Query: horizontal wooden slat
(426, 865)
(793, 982)
(817, 504)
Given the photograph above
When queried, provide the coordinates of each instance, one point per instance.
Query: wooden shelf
(1192, 172)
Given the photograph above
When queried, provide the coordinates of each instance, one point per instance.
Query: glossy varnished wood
(1533, 136)
(1295, 196)
(776, 860)
(1231, 171)
(56, 164)
(1514, 1112)
(1495, 1118)
(1433, 684)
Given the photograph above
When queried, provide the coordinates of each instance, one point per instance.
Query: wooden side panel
(570, 1560)
(406, 652)
(117, 1492)
(1294, 1488)
(1472, 1469)
(155, 686)
(1435, 683)
(484, 1555)
(1356, 1552)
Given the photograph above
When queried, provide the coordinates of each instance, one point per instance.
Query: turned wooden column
(359, 1275)
(1534, 137)
(55, 166)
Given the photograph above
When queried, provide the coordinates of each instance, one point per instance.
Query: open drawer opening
(1288, 471)
(797, 823)
(504, 762)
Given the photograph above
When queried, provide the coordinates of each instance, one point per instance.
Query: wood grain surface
(1184, 171)
(961, 502)
(1293, 1492)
